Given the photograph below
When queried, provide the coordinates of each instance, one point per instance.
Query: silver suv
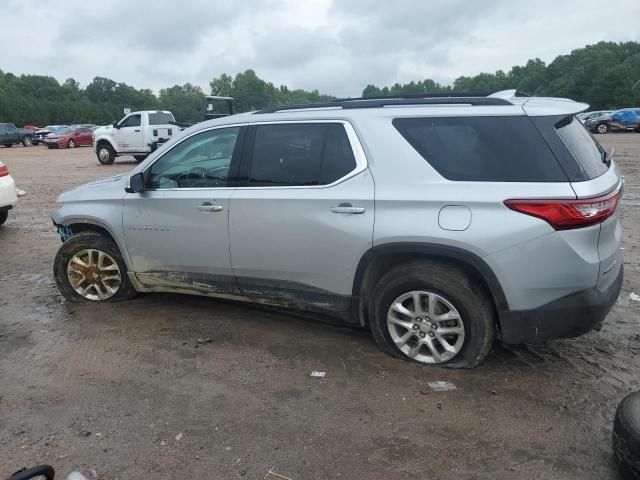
(438, 223)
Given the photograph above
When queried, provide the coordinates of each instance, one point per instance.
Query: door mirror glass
(115, 124)
(136, 183)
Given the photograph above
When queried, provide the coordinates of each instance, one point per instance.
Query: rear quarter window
(585, 149)
(160, 118)
(489, 149)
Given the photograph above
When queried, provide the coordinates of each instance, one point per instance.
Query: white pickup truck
(137, 134)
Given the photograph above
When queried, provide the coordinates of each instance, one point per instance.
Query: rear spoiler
(543, 106)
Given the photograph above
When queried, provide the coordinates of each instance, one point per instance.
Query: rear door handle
(136, 130)
(208, 207)
(347, 208)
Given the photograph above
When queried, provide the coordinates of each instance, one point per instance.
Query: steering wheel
(197, 173)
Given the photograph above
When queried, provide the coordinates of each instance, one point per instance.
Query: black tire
(451, 283)
(89, 240)
(3, 217)
(108, 157)
(140, 158)
(602, 128)
(71, 143)
(626, 436)
(8, 145)
(27, 141)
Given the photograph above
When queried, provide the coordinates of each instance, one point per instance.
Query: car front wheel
(27, 142)
(602, 128)
(89, 267)
(430, 312)
(3, 217)
(71, 144)
(106, 155)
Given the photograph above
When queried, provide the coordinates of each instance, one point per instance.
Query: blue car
(623, 120)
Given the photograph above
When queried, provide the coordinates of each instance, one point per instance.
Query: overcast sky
(336, 46)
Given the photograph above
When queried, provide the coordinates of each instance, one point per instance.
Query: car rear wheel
(430, 312)
(27, 142)
(3, 217)
(140, 158)
(89, 267)
(602, 128)
(71, 143)
(106, 155)
(626, 436)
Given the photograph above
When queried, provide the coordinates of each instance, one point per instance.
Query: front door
(177, 230)
(304, 219)
(128, 136)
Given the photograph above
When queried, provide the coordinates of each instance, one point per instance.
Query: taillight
(4, 171)
(568, 214)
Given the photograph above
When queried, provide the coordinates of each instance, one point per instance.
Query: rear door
(83, 136)
(304, 217)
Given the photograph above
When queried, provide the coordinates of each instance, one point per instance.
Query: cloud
(335, 46)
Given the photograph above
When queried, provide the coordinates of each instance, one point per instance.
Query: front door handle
(136, 130)
(347, 208)
(208, 207)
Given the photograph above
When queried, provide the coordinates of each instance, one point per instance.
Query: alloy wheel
(94, 274)
(425, 327)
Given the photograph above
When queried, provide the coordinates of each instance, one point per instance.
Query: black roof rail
(453, 98)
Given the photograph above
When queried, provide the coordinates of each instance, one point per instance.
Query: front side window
(200, 161)
(301, 154)
(131, 121)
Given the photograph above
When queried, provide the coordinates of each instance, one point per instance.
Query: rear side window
(586, 150)
(489, 149)
(300, 154)
(160, 118)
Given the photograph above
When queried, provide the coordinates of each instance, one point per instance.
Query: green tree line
(602, 75)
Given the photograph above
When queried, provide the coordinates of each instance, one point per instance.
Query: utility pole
(633, 89)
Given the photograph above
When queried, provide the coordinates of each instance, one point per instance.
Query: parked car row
(623, 120)
(65, 136)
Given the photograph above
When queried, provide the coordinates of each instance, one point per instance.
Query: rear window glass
(490, 149)
(586, 150)
(160, 118)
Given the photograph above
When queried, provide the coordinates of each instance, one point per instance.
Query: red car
(69, 138)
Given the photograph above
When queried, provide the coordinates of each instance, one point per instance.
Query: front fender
(73, 221)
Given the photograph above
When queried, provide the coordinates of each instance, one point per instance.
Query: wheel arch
(376, 261)
(77, 225)
(107, 140)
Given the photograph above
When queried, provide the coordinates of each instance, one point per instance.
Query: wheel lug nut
(422, 334)
(431, 334)
(434, 326)
(415, 327)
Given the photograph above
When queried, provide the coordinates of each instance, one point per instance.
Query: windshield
(64, 131)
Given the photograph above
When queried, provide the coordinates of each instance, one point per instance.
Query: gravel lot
(160, 405)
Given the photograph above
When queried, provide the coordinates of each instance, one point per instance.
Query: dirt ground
(160, 405)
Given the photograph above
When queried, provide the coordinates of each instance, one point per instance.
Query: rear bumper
(570, 316)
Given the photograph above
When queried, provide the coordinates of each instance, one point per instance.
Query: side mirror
(115, 124)
(136, 183)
